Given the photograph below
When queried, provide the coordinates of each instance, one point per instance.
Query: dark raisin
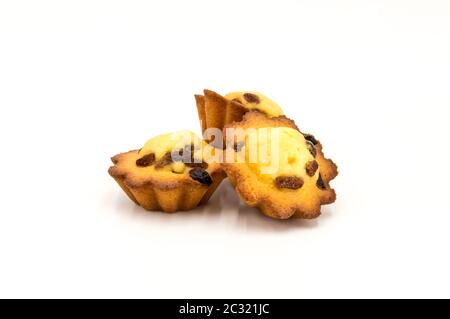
(320, 183)
(146, 160)
(290, 182)
(311, 148)
(200, 175)
(203, 165)
(251, 98)
(311, 167)
(238, 146)
(165, 160)
(310, 138)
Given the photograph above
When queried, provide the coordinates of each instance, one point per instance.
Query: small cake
(171, 172)
(216, 111)
(276, 168)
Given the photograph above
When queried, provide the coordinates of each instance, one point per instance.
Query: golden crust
(164, 191)
(280, 204)
(215, 111)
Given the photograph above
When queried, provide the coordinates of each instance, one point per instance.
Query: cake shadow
(228, 205)
(224, 207)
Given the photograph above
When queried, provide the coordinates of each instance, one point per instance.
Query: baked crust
(273, 202)
(162, 190)
(215, 111)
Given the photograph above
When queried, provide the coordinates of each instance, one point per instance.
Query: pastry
(293, 178)
(215, 111)
(171, 172)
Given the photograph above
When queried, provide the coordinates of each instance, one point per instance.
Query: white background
(83, 80)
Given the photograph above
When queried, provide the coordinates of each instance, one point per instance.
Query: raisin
(310, 138)
(146, 160)
(311, 148)
(320, 183)
(251, 98)
(290, 182)
(203, 165)
(311, 167)
(165, 160)
(200, 175)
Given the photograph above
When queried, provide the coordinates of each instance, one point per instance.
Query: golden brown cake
(289, 175)
(216, 111)
(172, 172)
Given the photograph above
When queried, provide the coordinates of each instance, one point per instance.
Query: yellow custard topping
(178, 146)
(162, 144)
(256, 100)
(172, 142)
(281, 151)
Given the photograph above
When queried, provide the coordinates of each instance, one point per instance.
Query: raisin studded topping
(251, 98)
(146, 160)
(290, 182)
(320, 183)
(200, 175)
(311, 168)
